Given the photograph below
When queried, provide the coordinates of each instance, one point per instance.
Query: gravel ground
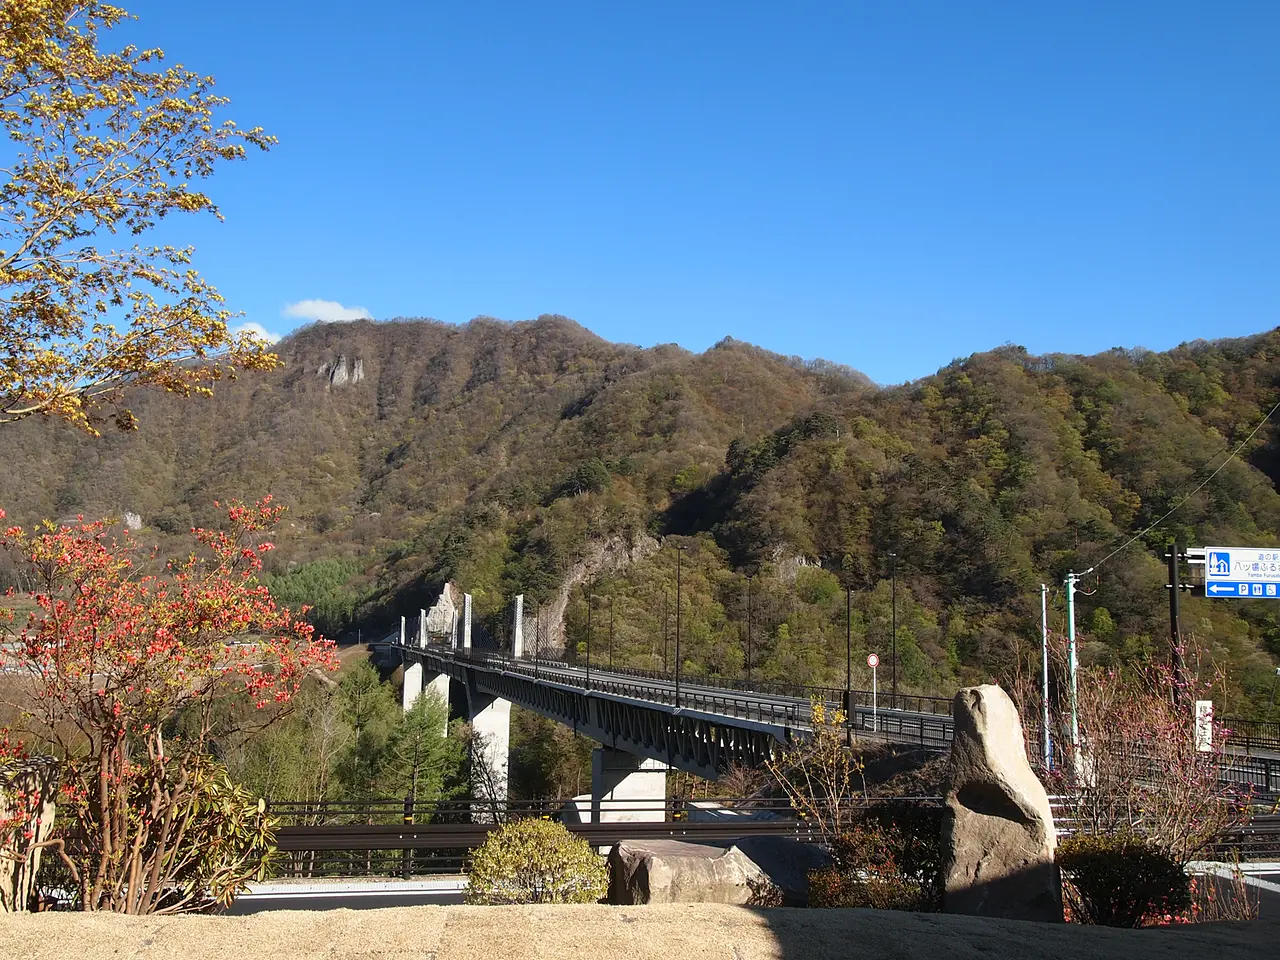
(693, 931)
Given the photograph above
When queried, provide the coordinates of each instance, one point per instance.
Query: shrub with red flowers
(117, 647)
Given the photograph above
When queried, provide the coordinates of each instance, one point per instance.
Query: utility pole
(1175, 631)
(680, 549)
(848, 664)
(893, 592)
(1071, 582)
(1044, 692)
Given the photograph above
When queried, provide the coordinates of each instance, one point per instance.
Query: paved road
(354, 895)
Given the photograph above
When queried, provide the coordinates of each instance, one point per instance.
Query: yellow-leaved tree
(104, 143)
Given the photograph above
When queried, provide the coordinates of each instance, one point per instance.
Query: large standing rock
(27, 791)
(672, 871)
(997, 834)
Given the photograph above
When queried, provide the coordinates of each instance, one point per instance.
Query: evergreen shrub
(536, 861)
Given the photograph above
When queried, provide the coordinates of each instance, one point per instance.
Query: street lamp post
(588, 586)
(893, 653)
(748, 631)
(611, 599)
(680, 549)
(666, 633)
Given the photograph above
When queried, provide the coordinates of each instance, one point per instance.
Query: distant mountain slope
(506, 456)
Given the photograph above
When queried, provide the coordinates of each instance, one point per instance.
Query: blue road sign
(1260, 590)
(1242, 572)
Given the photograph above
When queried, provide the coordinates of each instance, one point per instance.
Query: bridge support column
(490, 750)
(438, 686)
(517, 628)
(412, 685)
(626, 788)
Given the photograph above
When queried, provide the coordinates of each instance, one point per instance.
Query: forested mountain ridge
(410, 452)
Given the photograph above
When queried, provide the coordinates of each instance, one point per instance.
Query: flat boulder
(997, 837)
(787, 862)
(672, 871)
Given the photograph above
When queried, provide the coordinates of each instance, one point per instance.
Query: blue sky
(889, 185)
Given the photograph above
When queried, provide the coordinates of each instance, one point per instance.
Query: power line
(1231, 456)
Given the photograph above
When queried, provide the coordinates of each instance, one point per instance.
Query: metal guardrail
(1258, 840)
(1261, 775)
(437, 836)
(303, 813)
(390, 848)
(381, 837)
(1252, 735)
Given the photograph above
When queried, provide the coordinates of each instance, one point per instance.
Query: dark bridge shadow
(889, 935)
(816, 933)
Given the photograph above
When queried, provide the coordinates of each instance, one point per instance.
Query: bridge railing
(835, 696)
(726, 703)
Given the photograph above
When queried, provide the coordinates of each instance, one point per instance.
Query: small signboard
(1204, 725)
(1242, 572)
(873, 661)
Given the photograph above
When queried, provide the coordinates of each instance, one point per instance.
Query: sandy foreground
(692, 931)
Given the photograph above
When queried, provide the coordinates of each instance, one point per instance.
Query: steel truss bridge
(692, 726)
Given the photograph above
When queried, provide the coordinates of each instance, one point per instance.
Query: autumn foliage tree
(118, 648)
(104, 142)
(820, 776)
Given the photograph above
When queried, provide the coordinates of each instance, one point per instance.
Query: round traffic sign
(873, 661)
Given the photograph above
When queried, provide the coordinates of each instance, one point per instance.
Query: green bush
(890, 858)
(536, 861)
(1120, 880)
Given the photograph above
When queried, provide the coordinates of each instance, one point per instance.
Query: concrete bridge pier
(413, 673)
(626, 788)
(417, 680)
(490, 753)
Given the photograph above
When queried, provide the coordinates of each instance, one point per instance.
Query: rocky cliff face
(342, 372)
(600, 558)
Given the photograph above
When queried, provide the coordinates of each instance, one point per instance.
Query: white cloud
(258, 330)
(324, 311)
